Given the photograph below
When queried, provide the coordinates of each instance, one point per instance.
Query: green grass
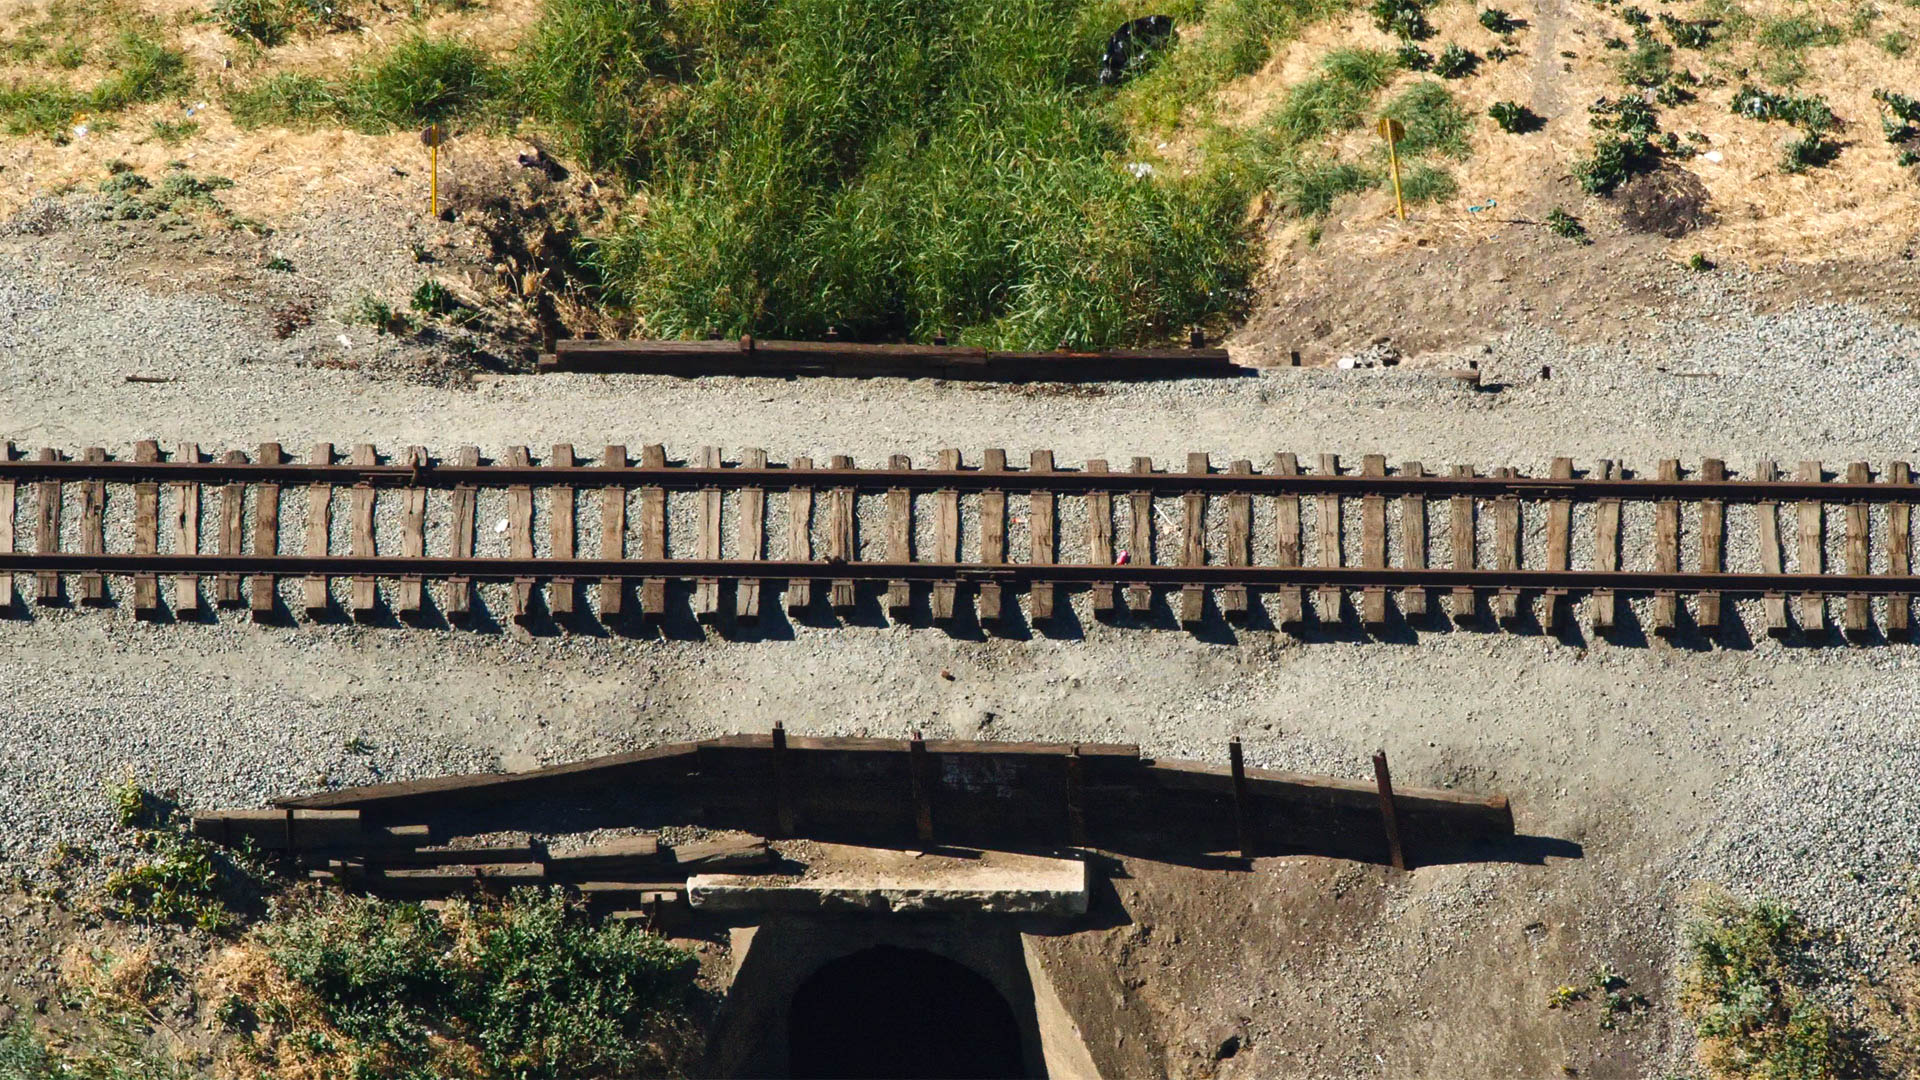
(421, 81)
(1425, 183)
(1334, 99)
(1240, 37)
(144, 69)
(1748, 983)
(1895, 43)
(1435, 122)
(1795, 32)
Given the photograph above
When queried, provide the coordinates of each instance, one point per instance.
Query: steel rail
(1346, 577)
(1059, 482)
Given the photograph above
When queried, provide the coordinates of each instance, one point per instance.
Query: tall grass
(890, 168)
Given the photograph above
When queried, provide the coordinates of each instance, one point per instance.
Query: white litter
(79, 130)
(1139, 168)
(500, 526)
(1713, 156)
(345, 341)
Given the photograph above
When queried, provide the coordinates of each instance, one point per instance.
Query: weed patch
(522, 988)
(421, 81)
(1434, 120)
(1748, 982)
(1455, 62)
(1566, 226)
(1515, 118)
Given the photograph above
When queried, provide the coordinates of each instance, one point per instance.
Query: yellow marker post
(1391, 131)
(433, 137)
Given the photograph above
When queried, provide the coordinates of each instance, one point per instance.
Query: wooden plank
(408, 593)
(93, 540)
(1233, 598)
(1193, 546)
(1713, 544)
(1508, 610)
(842, 544)
(1899, 552)
(1100, 540)
(364, 596)
(899, 541)
(613, 534)
(653, 533)
(1771, 560)
(1666, 552)
(993, 537)
(1606, 550)
(1286, 540)
(48, 497)
(799, 534)
(233, 501)
(946, 540)
(752, 537)
(1329, 539)
(6, 529)
(563, 592)
(186, 534)
(264, 589)
(319, 524)
(1559, 541)
(460, 538)
(1140, 545)
(706, 591)
(146, 534)
(1373, 543)
(520, 535)
(1858, 616)
(1461, 507)
(1040, 524)
(1413, 541)
(1813, 541)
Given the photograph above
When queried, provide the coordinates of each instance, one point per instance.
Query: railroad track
(273, 535)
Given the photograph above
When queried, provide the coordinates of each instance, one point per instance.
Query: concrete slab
(844, 878)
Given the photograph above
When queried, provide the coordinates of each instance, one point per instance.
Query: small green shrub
(1498, 21)
(377, 313)
(421, 81)
(1747, 982)
(1413, 57)
(1610, 988)
(1687, 34)
(183, 879)
(1406, 18)
(1895, 43)
(1811, 150)
(1648, 63)
(1699, 263)
(1635, 17)
(1613, 161)
(1565, 225)
(1514, 118)
(1810, 113)
(1455, 62)
(432, 298)
(527, 988)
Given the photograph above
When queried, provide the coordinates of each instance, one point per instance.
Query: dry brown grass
(1861, 207)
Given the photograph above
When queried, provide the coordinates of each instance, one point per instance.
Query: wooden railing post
(1389, 817)
(922, 790)
(782, 781)
(1240, 830)
(1076, 796)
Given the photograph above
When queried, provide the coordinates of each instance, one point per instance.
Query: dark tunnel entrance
(903, 1013)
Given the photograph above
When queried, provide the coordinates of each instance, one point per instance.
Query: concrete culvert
(904, 1013)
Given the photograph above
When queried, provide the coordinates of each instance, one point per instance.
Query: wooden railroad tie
(1191, 533)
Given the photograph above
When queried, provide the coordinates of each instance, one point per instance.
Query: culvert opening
(903, 1013)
